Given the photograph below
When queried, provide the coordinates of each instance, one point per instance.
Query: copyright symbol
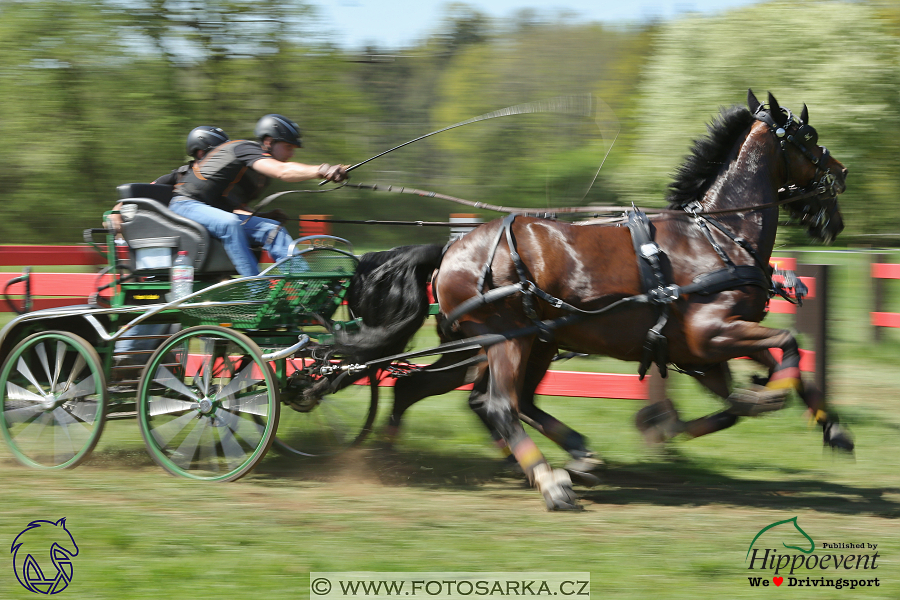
(320, 586)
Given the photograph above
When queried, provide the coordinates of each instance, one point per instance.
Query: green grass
(671, 523)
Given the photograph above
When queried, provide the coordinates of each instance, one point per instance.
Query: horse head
(814, 176)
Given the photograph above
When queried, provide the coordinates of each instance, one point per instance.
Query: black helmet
(279, 128)
(204, 138)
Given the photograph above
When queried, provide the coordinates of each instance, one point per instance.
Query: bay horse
(587, 288)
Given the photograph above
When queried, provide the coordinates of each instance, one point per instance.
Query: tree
(838, 57)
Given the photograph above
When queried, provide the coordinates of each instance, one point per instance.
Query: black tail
(388, 292)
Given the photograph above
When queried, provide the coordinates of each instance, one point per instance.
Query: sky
(398, 23)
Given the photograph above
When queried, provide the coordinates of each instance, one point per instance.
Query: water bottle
(182, 276)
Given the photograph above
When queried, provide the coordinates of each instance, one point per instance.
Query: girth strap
(647, 250)
(656, 346)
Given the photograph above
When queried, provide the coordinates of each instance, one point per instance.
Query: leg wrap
(528, 456)
(787, 373)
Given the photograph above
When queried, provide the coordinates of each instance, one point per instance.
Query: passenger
(200, 140)
(216, 190)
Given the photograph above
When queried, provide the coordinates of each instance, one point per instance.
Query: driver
(216, 190)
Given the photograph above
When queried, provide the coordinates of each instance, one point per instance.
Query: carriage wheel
(208, 404)
(54, 400)
(338, 421)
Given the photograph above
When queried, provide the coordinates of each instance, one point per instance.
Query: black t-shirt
(175, 176)
(223, 178)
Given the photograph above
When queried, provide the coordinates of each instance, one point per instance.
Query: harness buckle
(664, 295)
(693, 207)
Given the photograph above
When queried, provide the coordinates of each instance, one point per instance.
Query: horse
(387, 292)
(649, 289)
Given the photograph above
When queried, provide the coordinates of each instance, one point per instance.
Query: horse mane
(708, 154)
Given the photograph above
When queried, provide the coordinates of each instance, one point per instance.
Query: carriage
(210, 398)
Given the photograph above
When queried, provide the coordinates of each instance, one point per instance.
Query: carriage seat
(148, 224)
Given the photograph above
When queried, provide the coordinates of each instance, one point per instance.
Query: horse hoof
(837, 437)
(756, 400)
(556, 487)
(658, 422)
(582, 470)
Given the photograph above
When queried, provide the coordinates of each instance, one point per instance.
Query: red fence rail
(883, 271)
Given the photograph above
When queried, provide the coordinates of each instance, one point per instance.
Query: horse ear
(804, 115)
(61, 523)
(752, 102)
(775, 110)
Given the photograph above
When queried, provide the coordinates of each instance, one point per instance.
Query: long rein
(785, 196)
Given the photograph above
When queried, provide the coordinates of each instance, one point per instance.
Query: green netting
(312, 283)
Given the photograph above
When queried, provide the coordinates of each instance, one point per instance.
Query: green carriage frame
(209, 399)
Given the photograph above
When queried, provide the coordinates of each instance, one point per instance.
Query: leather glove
(335, 173)
(276, 215)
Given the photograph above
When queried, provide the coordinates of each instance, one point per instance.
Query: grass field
(673, 522)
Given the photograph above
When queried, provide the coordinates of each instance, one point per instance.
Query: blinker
(808, 135)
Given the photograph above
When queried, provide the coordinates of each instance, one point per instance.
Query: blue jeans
(227, 227)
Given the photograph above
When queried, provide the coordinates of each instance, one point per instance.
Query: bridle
(823, 188)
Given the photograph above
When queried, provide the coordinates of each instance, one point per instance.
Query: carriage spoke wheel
(208, 404)
(336, 422)
(54, 400)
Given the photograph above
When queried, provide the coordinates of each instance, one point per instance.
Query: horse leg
(834, 435)
(717, 379)
(659, 421)
(584, 460)
(499, 409)
(429, 382)
(747, 338)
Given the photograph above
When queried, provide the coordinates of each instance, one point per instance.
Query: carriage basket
(297, 291)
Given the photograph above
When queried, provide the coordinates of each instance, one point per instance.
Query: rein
(786, 196)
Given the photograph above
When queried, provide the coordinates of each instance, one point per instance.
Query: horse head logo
(44, 543)
(793, 521)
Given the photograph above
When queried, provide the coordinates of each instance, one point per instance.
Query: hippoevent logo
(42, 556)
(852, 567)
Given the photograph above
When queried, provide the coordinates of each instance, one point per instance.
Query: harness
(658, 292)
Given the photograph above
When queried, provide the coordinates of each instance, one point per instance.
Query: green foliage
(838, 57)
(107, 93)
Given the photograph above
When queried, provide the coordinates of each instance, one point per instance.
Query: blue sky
(396, 23)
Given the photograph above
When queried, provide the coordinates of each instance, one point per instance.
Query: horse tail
(388, 292)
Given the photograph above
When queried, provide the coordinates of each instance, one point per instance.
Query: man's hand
(335, 173)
